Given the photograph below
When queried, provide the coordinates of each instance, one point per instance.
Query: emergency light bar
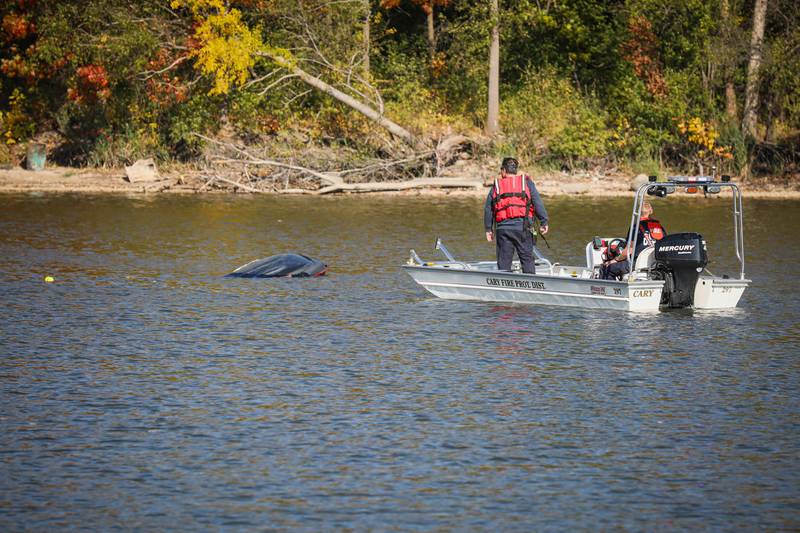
(690, 180)
(691, 185)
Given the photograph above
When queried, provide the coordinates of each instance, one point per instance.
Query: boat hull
(495, 286)
(718, 293)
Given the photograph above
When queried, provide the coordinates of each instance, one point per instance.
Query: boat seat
(646, 259)
(594, 258)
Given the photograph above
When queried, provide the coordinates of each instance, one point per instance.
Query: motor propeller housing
(679, 259)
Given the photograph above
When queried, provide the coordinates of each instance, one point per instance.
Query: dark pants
(614, 270)
(509, 240)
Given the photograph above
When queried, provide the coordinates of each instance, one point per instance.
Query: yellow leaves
(7, 134)
(227, 48)
(438, 64)
(699, 132)
(621, 133)
(703, 137)
(15, 123)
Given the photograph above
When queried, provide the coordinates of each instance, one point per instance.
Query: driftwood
(239, 185)
(326, 182)
(403, 185)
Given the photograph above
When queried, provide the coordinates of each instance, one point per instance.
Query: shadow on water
(142, 389)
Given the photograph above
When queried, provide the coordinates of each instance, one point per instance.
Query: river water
(143, 390)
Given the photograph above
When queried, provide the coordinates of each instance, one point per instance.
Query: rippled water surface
(142, 390)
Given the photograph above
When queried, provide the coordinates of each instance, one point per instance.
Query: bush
(199, 114)
(410, 100)
(5, 155)
(549, 119)
(125, 147)
(643, 122)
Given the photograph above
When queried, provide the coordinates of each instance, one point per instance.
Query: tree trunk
(393, 128)
(772, 116)
(750, 117)
(367, 17)
(730, 91)
(730, 100)
(431, 31)
(492, 118)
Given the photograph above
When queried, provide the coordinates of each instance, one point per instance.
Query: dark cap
(510, 165)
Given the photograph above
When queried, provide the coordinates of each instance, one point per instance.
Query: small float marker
(49, 279)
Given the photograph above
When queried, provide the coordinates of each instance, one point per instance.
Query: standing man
(510, 207)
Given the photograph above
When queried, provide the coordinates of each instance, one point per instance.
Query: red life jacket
(652, 231)
(511, 198)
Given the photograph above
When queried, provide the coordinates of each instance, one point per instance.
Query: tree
(367, 37)
(428, 7)
(730, 91)
(750, 115)
(493, 114)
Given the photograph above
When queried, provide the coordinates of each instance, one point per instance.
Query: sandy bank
(103, 181)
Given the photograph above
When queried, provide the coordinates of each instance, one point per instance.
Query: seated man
(650, 231)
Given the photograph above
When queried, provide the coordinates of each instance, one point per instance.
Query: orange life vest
(511, 198)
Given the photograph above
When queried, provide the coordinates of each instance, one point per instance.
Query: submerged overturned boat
(281, 265)
(670, 274)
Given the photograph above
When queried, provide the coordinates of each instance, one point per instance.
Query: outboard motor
(679, 259)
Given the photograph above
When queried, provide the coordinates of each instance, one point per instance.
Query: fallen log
(402, 185)
(378, 117)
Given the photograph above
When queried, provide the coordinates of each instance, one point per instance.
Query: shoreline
(112, 181)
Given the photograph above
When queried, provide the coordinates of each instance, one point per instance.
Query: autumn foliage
(582, 83)
(641, 51)
(91, 85)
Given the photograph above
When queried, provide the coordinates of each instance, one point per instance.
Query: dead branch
(275, 83)
(385, 165)
(147, 74)
(250, 159)
(417, 167)
(207, 183)
(241, 185)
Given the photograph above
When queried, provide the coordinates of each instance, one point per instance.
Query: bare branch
(147, 74)
(240, 185)
(275, 83)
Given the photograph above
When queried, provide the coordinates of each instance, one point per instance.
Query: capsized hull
(281, 265)
(496, 286)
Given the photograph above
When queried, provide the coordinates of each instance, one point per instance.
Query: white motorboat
(670, 274)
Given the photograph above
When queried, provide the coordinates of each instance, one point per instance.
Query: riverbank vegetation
(320, 94)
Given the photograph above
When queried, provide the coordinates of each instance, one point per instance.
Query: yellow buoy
(49, 279)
